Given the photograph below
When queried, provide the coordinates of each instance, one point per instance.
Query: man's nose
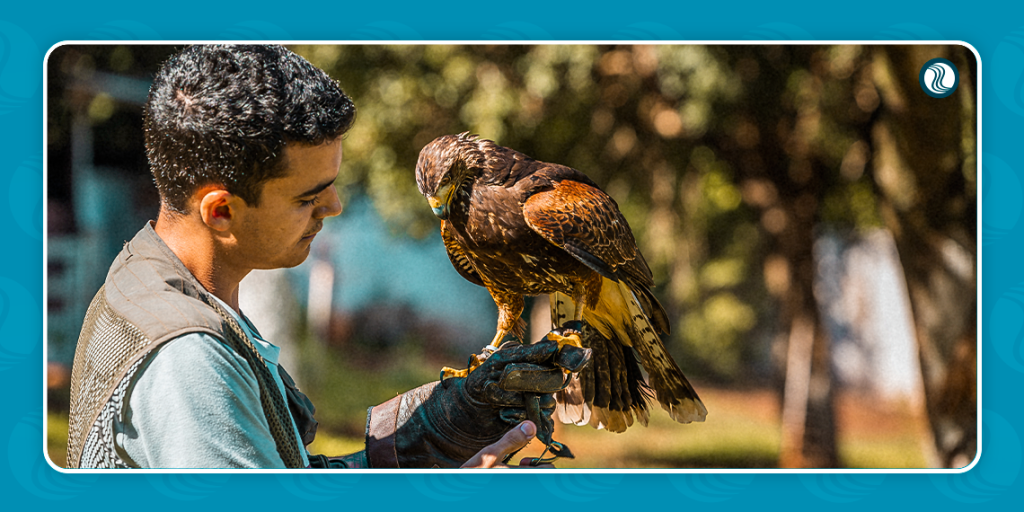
(332, 206)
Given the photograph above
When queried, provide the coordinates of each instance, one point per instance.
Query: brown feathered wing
(586, 223)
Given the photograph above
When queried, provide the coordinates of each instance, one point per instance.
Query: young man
(244, 143)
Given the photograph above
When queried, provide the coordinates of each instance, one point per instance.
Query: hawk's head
(445, 167)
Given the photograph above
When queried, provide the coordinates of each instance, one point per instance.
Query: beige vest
(148, 299)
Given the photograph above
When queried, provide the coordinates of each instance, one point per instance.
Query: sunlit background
(809, 215)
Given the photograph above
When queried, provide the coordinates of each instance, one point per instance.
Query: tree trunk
(925, 170)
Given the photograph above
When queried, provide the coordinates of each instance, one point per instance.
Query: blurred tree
(785, 139)
(852, 139)
(925, 168)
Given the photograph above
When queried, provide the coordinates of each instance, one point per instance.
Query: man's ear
(217, 207)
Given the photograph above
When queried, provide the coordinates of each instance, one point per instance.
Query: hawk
(518, 226)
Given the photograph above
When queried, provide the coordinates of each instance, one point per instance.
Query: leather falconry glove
(445, 423)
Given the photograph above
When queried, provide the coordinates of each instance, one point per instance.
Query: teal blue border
(27, 31)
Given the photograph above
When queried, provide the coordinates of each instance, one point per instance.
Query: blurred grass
(741, 431)
(343, 383)
(900, 452)
(880, 434)
(57, 437)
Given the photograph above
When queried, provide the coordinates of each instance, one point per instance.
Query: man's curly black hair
(222, 114)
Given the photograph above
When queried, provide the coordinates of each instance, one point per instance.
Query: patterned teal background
(27, 30)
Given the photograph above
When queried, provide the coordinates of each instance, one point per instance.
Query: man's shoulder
(149, 288)
(200, 356)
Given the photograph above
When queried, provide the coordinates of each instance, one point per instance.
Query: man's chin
(295, 259)
(301, 257)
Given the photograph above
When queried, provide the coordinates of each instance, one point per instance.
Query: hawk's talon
(449, 373)
(474, 361)
(568, 337)
(472, 364)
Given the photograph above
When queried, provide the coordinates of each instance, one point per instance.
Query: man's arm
(195, 404)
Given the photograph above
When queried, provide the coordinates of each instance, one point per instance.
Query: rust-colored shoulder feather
(585, 222)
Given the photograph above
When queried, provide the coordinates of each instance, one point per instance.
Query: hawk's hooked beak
(439, 208)
(440, 202)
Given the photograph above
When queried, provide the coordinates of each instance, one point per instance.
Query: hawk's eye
(445, 180)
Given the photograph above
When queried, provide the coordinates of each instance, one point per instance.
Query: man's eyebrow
(317, 189)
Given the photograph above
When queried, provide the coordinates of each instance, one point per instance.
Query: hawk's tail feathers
(571, 406)
(673, 391)
(653, 309)
(607, 393)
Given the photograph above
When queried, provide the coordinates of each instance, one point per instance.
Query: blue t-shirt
(195, 403)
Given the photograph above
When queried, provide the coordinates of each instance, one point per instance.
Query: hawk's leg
(510, 309)
(584, 294)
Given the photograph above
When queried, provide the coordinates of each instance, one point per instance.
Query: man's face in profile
(278, 233)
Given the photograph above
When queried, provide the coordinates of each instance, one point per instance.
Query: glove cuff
(381, 425)
(419, 429)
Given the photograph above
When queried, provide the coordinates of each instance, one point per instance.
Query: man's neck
(200, 252)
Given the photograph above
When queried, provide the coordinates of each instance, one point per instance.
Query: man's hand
(513, 440)
(447, 423)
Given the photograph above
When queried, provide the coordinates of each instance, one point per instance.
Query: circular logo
(939, 78)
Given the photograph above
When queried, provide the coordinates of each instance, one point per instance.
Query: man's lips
(315, 231)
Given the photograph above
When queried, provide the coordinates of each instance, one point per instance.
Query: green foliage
(853, 206)
(715, 331)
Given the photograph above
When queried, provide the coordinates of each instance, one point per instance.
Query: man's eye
(310, 202)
